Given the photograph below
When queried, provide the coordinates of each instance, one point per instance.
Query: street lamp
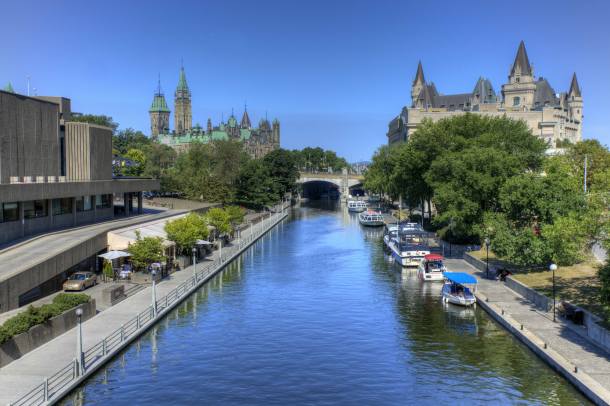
(80, 369)
(553, 268)
(487, 257)
(154, 292)
(194, 261)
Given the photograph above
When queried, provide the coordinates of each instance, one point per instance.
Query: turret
(575, 100)
(159, 114)
(276, 133)
(209, 126)
(520, 90)
(183, 118)
(245, 119)
(418, 84)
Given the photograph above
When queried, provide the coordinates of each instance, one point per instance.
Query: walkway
(21, 376)
(564, 344)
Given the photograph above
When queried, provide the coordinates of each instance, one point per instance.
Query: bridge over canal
(343, 183)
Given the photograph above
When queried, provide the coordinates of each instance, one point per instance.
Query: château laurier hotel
(551, 116)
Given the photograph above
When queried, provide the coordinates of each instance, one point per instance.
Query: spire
(182, 85)
(522, 62)
(9, 88)
(159, 104)
(419, 76)
(245, 119)
(574, 88)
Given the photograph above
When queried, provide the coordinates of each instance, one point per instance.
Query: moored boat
(431, 268)
(459, 288)
(390, 231)
(371, 219)
(356, 206)
(409, 247)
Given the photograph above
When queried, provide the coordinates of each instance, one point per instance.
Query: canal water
(316, 314)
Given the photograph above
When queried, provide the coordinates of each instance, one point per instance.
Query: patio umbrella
(110, 255)
(203, 242)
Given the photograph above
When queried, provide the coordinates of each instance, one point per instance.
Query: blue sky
(333, 72)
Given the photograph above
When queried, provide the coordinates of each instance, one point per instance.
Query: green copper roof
(9, 88)
(182, 85)
(219, 135)
(245, 134)
(159, 104)
(232, 121)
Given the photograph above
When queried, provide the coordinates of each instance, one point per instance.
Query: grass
(578, 284)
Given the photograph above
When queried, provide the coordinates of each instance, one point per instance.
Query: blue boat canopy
(460, 278)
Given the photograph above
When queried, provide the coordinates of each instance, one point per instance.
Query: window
(62, 206)
(516, 101)
(34, 209)
(103, 201)
(83, 203)
(10, 212)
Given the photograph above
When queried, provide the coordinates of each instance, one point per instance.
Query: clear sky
(333, 72)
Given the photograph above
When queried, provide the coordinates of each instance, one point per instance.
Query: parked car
(80, 281)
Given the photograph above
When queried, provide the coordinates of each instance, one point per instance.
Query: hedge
(33, 316)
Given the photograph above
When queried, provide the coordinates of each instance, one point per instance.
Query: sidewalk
(24, 374)
(564, 345)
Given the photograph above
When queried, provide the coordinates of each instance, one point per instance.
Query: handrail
(51, 386)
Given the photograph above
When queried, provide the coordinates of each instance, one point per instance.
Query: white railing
(57, 385)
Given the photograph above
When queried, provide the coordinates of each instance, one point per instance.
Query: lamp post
(487, 257)
(194, 262)
(154, 293)
(220, 249)
(553, 268)
(80, 368)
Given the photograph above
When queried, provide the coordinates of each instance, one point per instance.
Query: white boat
(409, 247)
(356, 206)
(459, 288)
(371, 219)
(431, 268)
(390, 231)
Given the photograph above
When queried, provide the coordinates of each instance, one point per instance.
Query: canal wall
(580, 379)
(136, 315)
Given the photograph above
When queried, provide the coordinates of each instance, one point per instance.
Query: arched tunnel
(318, 189)
(357, 190)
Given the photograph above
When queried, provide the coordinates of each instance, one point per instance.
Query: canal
(315, 313)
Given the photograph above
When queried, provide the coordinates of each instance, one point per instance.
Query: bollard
(575, 369)
(545, 346)
(46, 389)
(502, 312)
(522, 327)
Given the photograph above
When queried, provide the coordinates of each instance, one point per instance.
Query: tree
(102, 120)
(236, 215)
(220, 219)
(108, 271)
(185, 231)
(378, 177)
(145, 251)
(255, 185)
(282, 168)
(128, 139)
(138, 159)
(566, 240)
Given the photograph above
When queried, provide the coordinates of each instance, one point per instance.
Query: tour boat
(371, 218)
(357, 206)
(459, 288)
(431, 268)
(409, 247)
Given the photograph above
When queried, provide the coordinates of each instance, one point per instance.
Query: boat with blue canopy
(459, 288)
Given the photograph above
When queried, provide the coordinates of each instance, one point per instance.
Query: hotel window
(103, 201)
(34, 209)
(10, 212)
(516, 101)
(83, 203)
(62, 206)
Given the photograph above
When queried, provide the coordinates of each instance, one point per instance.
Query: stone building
(257, 141)
(551, 116)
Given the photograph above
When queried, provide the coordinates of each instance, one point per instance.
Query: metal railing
(96, 355)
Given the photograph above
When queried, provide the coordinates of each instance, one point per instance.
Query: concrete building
(55, 174)
(551, 116)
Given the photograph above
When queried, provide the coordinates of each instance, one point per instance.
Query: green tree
(236, 215)
(128, 139)
(566, 239)
(220, 219)
(255, 185)
(102, 120)
(185, 231)
(282, 168)
(107, 270)
(139, 159)
(145, 251)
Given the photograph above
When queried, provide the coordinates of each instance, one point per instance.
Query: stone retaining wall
(23, 343)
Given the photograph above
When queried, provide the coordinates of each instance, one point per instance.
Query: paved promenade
(566, 348)
(22, 375)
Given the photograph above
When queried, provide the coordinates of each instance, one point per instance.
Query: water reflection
(316, 314)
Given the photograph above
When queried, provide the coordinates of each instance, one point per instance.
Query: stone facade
(553, 117)
(258, 141)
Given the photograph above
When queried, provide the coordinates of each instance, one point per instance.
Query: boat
(371, 219)
(356, 206)
(431, 268)
(459, 288)
(390, 231)
(409, 247)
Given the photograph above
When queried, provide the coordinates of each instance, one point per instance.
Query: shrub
(33, 316)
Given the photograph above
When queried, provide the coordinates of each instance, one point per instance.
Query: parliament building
(551, 116)
(258, 141)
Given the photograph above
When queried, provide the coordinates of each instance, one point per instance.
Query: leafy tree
(255, 185)
(107, 270)
(220, 219)
(139, 159)
(128, 139)
(146, 250)
(378, 177)
(604, 278)
(185, 231)
(282, 168)
(236, 214)
(102, 120)
(566, 240)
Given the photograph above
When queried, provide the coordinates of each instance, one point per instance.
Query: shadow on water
(317, 313)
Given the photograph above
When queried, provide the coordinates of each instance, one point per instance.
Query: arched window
(516, 101)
